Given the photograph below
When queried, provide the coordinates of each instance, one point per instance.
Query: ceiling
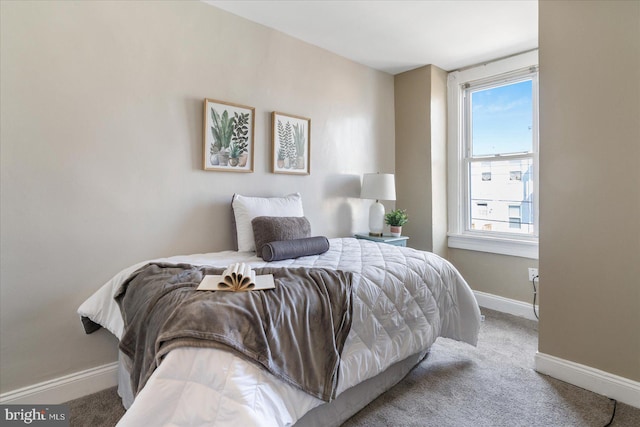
(396, 36)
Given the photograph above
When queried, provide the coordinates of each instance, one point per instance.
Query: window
(483, 210)
(493, 157)
(515, 219)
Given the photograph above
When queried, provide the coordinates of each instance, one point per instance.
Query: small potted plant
(234, 154)
(280, 158)
(396, 219)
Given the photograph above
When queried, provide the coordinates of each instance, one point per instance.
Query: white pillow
(247, 208)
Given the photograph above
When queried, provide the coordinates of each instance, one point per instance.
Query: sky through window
(502, 119)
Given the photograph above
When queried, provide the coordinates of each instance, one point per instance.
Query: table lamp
(377, 186)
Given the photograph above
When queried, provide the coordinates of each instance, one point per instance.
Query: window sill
(495, 245)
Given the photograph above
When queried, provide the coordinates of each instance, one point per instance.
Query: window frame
(459, 204)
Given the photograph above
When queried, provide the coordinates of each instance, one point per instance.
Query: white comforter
(403, 300)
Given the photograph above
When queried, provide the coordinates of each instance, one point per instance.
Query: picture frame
(291, 144)
(228, 136)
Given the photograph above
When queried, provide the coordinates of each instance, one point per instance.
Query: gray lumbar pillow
(268, 229)
(286, 249)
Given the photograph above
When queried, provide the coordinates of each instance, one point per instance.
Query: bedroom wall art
(228, 136)
(291, 144)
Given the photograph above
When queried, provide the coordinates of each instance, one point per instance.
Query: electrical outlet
(533, 273)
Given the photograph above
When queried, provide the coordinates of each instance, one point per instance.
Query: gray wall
(590, 184)
(101, 151)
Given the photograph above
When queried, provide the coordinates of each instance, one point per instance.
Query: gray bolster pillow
(286, 249)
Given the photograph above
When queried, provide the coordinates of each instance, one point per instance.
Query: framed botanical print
(291, 144)
(228, 142)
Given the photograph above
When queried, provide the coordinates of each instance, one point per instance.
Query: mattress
(403, 300)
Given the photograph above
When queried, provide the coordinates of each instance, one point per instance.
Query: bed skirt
(352, 400)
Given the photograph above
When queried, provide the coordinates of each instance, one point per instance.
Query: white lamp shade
(378, 186)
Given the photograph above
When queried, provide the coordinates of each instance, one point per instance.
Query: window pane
(514, 223)
(502, 119)
(502, 204)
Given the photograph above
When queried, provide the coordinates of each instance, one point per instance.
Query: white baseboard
(505, 305)
(63, 389)
(613, 386)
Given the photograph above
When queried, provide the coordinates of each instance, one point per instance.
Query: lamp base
(376, 218)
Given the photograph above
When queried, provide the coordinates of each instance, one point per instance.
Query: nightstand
(390, 240)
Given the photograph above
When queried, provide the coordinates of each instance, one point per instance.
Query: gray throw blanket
(296, 331)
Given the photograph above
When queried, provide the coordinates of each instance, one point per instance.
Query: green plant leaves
(397, 218)
(285, 141)
(299, 138)
(240, 134)
(222, 129)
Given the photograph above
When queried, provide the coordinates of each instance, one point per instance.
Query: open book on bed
(237, 278)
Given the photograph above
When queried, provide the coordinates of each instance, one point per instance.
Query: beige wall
(590, 184)
(413, 154)
(101, 151)
(438, 103)
(421, 155)
(502, 275)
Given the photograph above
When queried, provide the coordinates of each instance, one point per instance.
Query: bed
(403, 300)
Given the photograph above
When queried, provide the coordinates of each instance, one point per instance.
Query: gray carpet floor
(456, 385)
